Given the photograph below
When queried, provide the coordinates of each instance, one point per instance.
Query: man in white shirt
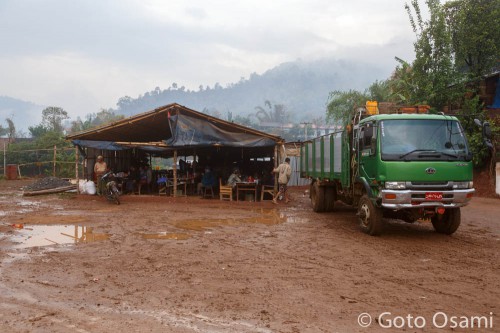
(284, 171)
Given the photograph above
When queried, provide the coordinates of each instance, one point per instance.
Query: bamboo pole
(54, 165)
(77, 158)
(50, 191)
(4, 161)
(175, 173)
(276, 163)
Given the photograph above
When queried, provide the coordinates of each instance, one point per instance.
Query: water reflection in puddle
(167, 235)
(266, 217)
(45, 235)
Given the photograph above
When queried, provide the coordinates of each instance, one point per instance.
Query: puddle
(167, 235)
(268, 217)
(28, 203)
(46, 235)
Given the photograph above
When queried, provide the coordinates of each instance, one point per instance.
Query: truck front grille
(429, 186)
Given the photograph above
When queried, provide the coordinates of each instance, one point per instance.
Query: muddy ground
(161, 264)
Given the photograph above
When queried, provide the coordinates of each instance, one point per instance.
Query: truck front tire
(370, 216)
(448, 222)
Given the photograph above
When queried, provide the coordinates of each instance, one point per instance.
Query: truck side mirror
(485, 131)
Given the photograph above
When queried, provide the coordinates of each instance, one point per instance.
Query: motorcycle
(109, 188)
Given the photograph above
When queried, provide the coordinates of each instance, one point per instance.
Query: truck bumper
(402, 199)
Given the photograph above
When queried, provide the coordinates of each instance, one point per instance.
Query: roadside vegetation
(456, 47)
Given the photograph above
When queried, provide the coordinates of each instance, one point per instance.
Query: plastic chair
(225, 191)
(208, 191)
(165, 186)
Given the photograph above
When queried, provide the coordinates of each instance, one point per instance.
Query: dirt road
(158, 264)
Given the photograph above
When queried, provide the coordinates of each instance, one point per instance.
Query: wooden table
(246, 187)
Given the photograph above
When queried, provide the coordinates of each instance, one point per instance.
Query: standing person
(284, 171)
(100, 168)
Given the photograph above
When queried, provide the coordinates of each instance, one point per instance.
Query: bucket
(372, 107)
(386, 107)
(11, 171)
(423, 108)
(408, 109)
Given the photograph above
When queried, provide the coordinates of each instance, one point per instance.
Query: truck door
(367, 145)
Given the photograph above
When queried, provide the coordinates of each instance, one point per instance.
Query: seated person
(234, 178)
(207, 180)
(131, 180)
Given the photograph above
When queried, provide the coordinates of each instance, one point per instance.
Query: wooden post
(77, 158)
(4, 161)
(175, 173)
(54, 166)
(276, 163)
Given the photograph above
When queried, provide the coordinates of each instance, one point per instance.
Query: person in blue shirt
(207, 180)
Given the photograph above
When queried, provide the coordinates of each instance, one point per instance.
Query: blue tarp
(106, 145)
(496, 101)
(190, 131)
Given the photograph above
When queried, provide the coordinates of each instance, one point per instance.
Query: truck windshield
(423, 139)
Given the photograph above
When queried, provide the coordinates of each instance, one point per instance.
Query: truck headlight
(463, 185)
(395, 185)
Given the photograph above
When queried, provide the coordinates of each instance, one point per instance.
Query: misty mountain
(302, 87)
(22, 113)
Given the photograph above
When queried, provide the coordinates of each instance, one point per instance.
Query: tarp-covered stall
(174, 130)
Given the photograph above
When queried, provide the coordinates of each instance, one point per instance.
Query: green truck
(400, 165)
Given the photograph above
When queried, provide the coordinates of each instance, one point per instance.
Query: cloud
(84, 55)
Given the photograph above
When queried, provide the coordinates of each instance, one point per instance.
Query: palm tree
(273, 114)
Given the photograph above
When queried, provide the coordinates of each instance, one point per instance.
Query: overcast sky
(84, 55)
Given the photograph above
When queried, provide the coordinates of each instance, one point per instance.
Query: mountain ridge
(301, 87)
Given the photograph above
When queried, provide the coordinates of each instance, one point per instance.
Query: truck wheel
(448, 222)
(330, 198)
(317, 197)
(370, 217)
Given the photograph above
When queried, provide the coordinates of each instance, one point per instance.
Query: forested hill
(301, 87)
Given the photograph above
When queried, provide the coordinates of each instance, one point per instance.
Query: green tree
(432, 69)
(381, 91)
(52, 118)
(475, 31)
(243, 120)
(3, 130)
(37, 131)
(272, 113)
(401, 84)
(341, 105)
(92, 120)
(11, 129)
